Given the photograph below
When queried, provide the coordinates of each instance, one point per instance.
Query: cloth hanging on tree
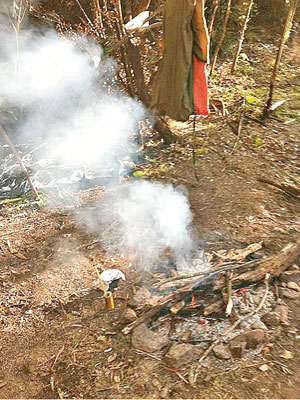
(180, 88)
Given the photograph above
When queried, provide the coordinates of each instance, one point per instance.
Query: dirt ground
(58, 341)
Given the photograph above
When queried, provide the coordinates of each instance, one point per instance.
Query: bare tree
(224, 27)
(16, 13)
(285, 35)
(97, 14)
(242, 34)
(215, 6)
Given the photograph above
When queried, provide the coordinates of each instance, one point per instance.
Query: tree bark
(284, 37)
(242, 35)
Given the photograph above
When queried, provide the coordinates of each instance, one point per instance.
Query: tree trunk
(242, 35)
(215, 6)
(215, 56)
(97, 15)
(284, 37)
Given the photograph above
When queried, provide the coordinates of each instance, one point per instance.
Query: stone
(237, 348)
(147, 340)
(289, 293)
(180, 354)
(271, 318)
(259, 325)
(222, 352)
(128, 316)
(293, 286)
(290, 276)
(254, 338)
(140, 298)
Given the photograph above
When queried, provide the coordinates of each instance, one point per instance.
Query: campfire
(225, 307)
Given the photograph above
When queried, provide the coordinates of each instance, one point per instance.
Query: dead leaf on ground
(21, 256)
(264, 367)
(2, 383)
(288, 355)
(265, 351)
(112, 357)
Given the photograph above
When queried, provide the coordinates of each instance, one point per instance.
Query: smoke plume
(74, 114)
(144, 220)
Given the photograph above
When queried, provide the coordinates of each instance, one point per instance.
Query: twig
(148, 354)
(237, 323)
(178, 374)
(87, 18)
(284, 173)
(177, 278)
(239, 366)
(56, 358)
(84, 246)
(25, 172)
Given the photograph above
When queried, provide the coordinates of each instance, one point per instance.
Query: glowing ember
(192, 305)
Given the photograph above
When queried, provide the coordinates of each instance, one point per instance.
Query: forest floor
(58, 341)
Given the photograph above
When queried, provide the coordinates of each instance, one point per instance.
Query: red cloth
(200, 91)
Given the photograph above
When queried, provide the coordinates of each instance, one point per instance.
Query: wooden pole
(284, 38)
(242, 35)
(25, 172)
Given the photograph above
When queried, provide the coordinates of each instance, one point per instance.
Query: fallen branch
(204, 276)
(274, 266)
(25, 172)
(154, 310)
(289, 189)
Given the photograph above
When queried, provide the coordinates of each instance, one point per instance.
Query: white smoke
(144, 219)
(67, 105)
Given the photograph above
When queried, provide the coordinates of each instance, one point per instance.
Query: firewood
(246, 273)
(274, 266)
